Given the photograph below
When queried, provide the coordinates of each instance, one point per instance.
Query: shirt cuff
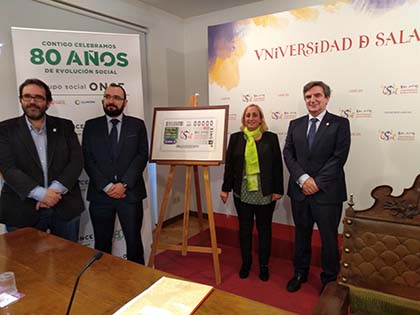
(38, 193)
(302, 179)
(107, 187)
(58, 186)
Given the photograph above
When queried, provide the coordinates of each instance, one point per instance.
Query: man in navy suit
(316, 149)
(40, 160)
(115, 149)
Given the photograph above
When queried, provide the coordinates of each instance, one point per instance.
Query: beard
(34, 111)
(112, 110)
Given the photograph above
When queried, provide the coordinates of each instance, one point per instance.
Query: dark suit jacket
(269, 156)
(324, 162)
(131, 161)
(22, 171)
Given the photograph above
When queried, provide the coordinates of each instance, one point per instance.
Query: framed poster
(189, 134)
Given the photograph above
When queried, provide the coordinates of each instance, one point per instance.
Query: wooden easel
(184, 248)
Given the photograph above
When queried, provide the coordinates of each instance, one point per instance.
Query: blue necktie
(312, 132)
(113, 137)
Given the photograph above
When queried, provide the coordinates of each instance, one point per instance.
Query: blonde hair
(264, 126)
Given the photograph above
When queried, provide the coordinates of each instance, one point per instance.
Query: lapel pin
(54, 130)
(327, 124)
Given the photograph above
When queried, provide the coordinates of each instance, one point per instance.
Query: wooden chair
(380, 263)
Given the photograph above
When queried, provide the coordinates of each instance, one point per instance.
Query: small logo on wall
(400, 89)
(232, 117)
(248, 98)
(409, 88)
(387, 135)
(351, 113)
(283, 115)
(406, 135)
(83, 102)
(356, 90)
(389, 89)
(398, 112)
(390, 135)
(347, 113)
(58, 102)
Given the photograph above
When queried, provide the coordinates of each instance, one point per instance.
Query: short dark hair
(39, 83)
(325, 87)
(119, 86)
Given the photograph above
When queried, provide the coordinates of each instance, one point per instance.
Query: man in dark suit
(115, 149)
(316, 148)
(40, 160)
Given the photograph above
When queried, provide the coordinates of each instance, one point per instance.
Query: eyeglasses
(36, 98)
(113, 97)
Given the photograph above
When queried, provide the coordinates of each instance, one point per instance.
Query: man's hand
(40, 205)
(309, 187)
(275, 197)
(52, 197)
(117, 191)
(224, 196)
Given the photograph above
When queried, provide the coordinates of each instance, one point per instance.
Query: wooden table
(46, 268)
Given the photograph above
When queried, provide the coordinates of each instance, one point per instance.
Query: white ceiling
(189, 8)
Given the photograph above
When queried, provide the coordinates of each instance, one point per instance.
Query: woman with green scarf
(254, 171)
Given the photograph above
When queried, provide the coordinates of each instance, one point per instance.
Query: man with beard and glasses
(115, 149)
(40, 160)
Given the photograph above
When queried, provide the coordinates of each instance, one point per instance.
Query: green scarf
(252, 166)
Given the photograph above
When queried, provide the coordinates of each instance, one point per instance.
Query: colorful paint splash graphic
(226, 46)
(377, 5)
(225, 50)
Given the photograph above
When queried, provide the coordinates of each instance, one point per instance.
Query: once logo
(100, 86)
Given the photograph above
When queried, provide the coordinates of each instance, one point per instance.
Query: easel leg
(198, 198)
(162, 212)
(212, 226)
(185, 224)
